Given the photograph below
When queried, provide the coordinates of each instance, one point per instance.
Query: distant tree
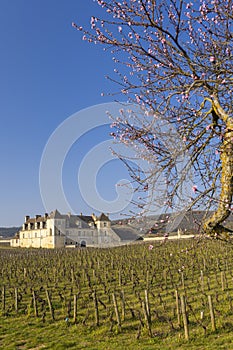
(175, 60)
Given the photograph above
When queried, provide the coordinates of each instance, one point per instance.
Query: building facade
(56, 230)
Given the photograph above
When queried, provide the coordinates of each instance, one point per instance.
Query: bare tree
(174, 59)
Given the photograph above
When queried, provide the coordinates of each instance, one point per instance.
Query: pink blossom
(212, 59)
(74, 25)
(151, 247)
(189, 5)
(194, 188)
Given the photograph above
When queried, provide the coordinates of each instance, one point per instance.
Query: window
(105, 224)
(35, 234)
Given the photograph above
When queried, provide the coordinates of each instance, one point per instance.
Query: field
(178, 295)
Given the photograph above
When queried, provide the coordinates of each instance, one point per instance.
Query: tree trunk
(212, 226)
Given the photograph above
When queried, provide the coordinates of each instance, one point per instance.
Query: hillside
(8, 231)
(189, 222)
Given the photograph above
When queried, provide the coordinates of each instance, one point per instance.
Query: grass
(24, 334)
(194, 270)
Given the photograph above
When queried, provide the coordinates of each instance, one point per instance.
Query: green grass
(195, 270)
(24, 334)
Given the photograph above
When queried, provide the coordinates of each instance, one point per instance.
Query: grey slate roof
(56, 215)
(125, 233)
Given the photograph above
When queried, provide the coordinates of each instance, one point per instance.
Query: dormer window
(78, 223)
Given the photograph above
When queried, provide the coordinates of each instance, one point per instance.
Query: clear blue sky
(47, 73)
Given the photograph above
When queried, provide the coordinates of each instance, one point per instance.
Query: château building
(56, 230)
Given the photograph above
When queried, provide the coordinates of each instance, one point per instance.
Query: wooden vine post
(16, 299)
(185, 318)
(116, 311)
(178, 308)
(212, 316)
(75, 309)
(146, 311)
(123, 305)
(96, 308)
(3, 300)
(147, 305)
(34, 303)
(50, 305)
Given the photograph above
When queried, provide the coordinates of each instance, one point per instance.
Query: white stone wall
(77, 235)
(106, 236)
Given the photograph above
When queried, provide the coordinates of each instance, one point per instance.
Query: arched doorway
(83, 244)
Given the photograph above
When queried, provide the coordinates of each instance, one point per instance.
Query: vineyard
(174, 295)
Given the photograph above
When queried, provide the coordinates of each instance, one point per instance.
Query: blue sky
(47, 74)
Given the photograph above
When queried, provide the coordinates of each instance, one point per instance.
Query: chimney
(27, 217)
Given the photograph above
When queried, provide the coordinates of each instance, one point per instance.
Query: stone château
(56, 230)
